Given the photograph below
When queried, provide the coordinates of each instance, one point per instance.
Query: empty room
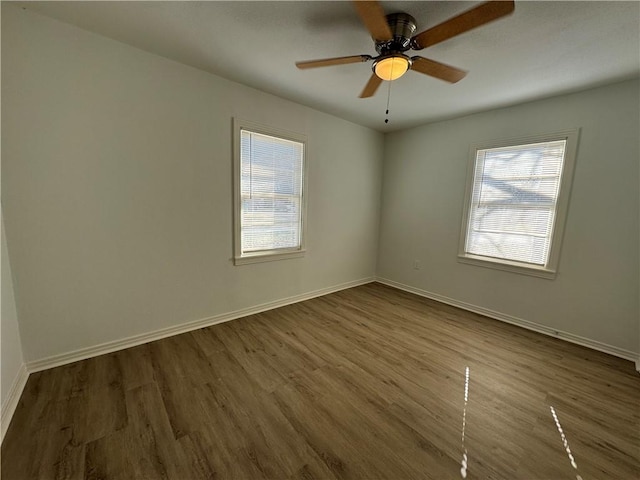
(320, 240)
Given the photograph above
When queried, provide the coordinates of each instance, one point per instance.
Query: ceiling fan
(393, 36)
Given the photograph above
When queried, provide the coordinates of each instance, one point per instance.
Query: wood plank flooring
(366, 383)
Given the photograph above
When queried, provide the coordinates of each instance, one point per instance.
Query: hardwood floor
(365, 383)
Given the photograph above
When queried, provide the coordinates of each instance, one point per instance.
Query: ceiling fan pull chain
(386, 120)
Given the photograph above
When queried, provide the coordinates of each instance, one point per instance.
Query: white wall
(11, 358)
(595, 294)
(117, 190)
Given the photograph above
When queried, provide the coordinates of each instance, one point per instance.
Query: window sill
(267, 257)
(508, 266)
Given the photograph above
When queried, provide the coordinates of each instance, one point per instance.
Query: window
(516, 202)
(269, 167)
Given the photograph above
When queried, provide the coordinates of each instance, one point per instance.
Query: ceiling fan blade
(373, 17)
(371, 86)
(477, 16)
(436, 69)
(327, 62)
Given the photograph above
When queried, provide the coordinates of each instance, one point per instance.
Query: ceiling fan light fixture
(391, 67)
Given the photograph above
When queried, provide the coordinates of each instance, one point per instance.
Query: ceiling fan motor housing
(402, 27)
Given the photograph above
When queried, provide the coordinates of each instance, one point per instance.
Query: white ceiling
(542, 49)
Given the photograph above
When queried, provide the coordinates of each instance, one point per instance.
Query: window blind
(513, 201)
(271, 192)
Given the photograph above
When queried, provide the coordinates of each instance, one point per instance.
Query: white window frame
(241, 258)
(549, 270)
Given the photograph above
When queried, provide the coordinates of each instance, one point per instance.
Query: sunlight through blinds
(513, 206)
(271, 192)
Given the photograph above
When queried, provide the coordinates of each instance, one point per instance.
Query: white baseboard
(108, 347)
(13, 397)
(569, 337)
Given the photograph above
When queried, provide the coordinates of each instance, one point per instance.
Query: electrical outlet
(416, 264)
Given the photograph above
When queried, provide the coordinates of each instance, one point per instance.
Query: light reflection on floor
(463, 469)
(465, 458)
(565, 442)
